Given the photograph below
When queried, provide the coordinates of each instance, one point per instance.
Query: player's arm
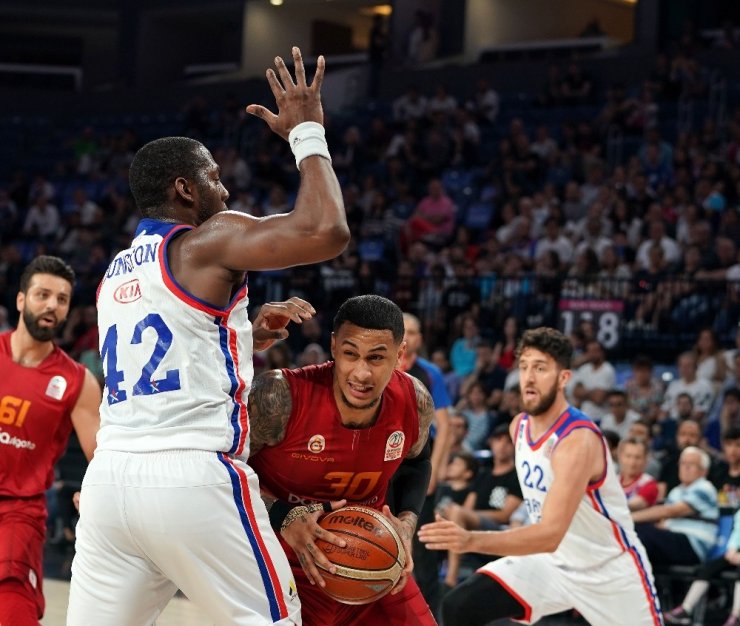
(270, 405)
(86, 414)
(315, 230)
(577, 459)
(272, 318)
(411, 481)
(663, 511)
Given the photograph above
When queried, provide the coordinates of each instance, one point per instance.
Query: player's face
(364, 360)
(212, 195)
(632, 460)
(45, 305)
(541, 381)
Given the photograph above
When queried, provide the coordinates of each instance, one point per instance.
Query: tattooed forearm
(269, 409)
(425, 406)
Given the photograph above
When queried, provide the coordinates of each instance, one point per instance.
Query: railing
(628, 316)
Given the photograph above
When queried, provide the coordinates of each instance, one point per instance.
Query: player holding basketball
(337, 433)
(43, 395)
(581, 550)
(169, 502)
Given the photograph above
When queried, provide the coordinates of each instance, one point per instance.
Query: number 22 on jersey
(146, 384)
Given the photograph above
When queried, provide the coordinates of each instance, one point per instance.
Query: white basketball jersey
(177, 369)
(602, 527)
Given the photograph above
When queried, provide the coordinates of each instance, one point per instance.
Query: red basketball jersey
(319, 459)
(35, 407)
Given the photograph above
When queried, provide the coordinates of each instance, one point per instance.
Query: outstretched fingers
(300, 70)
(285, 77)
(318, 77)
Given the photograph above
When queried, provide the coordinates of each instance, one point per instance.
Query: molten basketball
(372, 561)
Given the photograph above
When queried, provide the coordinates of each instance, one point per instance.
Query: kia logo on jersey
(316, 444)
(128, 292)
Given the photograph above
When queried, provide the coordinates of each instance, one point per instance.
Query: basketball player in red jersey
(336, 433)
(43, 395)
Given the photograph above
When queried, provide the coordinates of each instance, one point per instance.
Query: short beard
(357, 407)
(546, 403)
(36, 331)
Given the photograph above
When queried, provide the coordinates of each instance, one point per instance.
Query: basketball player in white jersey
(168, 501)
(581, 551)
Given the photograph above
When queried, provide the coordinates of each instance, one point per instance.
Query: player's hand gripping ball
(371, 563)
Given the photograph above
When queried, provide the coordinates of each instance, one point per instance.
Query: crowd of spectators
(478, 218)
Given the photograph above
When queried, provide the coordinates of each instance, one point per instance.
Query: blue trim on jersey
(238, 500)
(166, 242)
(154, 227)
(223, 335)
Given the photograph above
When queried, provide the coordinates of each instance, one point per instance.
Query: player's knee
(478, 601)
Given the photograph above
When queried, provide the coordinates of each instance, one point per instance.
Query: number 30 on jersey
(146, 384)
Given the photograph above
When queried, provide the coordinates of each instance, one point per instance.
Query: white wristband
(308, 139)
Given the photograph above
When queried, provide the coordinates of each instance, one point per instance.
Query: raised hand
(302, 531)
(296, 101)
(269, 325)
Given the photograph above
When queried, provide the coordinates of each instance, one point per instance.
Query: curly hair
(549, 341)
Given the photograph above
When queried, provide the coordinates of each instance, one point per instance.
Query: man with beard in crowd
(43, 395)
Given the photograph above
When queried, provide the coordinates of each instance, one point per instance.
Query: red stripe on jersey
(646, 587)
(241, 385)
(615, 527)
(183, 295)
(536, 445)
(635, 559)
(514, 594)
(247, 502)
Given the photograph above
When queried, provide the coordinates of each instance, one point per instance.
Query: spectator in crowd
(458, 432)
(687, 434)
(434, 219)
(463, 354)
(700, 390)
(689, 516)
(592, 381)
(620, 417)
(710, 360)
(642, 431)
(484, 104)
(412, 105)
(495, 496)
(644, 391)
(725, 474)
(42, 220)
(708, 572)
(640, 488)
(459, 475)
(729, 413)
(474, 409)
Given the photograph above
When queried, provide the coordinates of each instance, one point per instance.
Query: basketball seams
(368, 568)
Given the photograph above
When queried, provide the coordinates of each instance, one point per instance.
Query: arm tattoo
(410, 519)
(425, 407)
(269, 406)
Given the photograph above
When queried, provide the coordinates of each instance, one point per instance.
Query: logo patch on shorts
(56, 387)
(316, 444)
(394, 446)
